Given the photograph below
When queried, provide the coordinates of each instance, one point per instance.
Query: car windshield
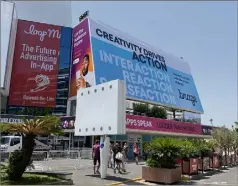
(4, 140)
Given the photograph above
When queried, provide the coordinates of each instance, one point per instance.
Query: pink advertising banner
(161, 125)
(82, 70)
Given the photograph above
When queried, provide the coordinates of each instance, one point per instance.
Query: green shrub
(146, 146)
(164, 152)
(14, 165)
(204, 150)
(158, 112)
(140, 108)
(155, 111)
(188, 150)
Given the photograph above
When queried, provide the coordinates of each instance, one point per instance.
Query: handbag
(119, 156)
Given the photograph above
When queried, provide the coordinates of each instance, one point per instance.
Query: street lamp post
(211, 120)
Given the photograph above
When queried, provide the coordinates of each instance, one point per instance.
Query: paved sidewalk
(83, 174)
(225, 177)
(133, 177)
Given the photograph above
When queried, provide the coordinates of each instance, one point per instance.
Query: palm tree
(236, 126)
(29, 129)
(234, 144)
(224, 140)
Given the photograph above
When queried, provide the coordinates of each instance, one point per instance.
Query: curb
(130, 180)
(200, 175)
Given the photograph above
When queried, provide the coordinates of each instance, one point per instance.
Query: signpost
(93, 107)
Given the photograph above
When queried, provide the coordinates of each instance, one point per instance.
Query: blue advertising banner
(151, 75)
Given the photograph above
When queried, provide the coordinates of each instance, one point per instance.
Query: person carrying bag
(118, 158)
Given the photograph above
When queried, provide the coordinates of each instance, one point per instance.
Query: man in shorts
(96, 157)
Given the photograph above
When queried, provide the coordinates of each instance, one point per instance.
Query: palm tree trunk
(226, 162)
(27, 149)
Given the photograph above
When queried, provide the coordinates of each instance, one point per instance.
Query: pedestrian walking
(118, 158)
(96, 157)
(110, 159)
(125, 157)
(125, 152)
(136, 151)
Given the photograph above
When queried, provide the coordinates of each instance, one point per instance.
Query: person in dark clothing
(125, 151)
(96, 157)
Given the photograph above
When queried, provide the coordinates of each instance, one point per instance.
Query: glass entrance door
(78, 142)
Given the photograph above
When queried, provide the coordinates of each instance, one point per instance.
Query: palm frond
(39, 126)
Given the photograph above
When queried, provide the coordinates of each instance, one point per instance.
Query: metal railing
(86, 153)
(54, 160)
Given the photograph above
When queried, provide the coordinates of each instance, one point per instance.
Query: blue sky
(203, 33)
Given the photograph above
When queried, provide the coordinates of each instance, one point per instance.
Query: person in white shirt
(87, 76)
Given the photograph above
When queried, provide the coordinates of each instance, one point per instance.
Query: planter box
(179, 161)
(199, 164)
(160, 175)
(190, 167)
(204, 164)
(232, 159)
(215, 162)
(224, 162)
(236, 160)
(229, 160)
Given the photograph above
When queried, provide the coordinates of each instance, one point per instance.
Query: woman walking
(110, 159)
(118, 158)
(136, 151)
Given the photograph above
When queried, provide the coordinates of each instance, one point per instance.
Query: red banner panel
(35, 65)
(161, 125)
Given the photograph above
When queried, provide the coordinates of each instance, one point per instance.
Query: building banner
(35, 65)
(82, 70)
(207, 130)
(9, 118)
(161, 125)
(151, 75)
(67, 122)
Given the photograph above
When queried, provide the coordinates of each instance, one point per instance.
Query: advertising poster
(207, 130)
(82, 70)
(161, 125)
(35, 65)
(67, 122)
(8, 118)
(151, 75)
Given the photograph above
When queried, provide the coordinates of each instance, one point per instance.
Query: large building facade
(42, 71)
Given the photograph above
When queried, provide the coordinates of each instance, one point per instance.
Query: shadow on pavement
(186, 183)
(114, 178)
(146, 183)
(206, 175)
(131, 182)
(134, 183)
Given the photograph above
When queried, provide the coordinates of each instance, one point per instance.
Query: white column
(68, 108)
(104, 155)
